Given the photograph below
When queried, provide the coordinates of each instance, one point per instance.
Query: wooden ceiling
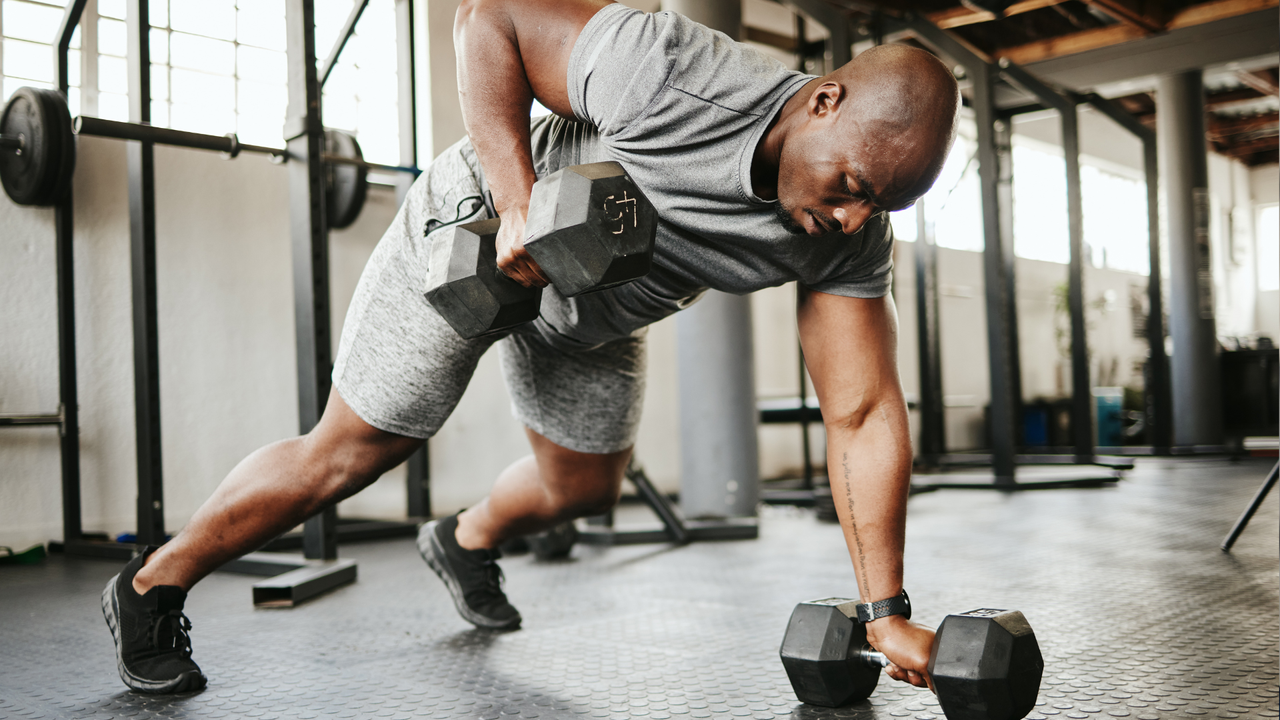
(1242, 107)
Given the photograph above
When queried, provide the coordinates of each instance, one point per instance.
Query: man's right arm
(510, 52)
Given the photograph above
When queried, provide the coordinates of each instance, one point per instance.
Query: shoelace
(493, 579)
(178, 627)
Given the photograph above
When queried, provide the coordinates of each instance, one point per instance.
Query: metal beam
(64, 261)
(1081, 387)
(836, 23)
(933, 438)
(344, 35)
(304, 134)
(142, 231)
(1159, 399)
(62, 43)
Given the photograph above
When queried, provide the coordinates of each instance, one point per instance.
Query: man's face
(834, 174)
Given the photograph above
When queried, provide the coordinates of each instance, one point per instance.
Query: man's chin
(788, 222)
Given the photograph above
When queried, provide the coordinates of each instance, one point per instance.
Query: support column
(1001, 353)
(719, 460)
(309, 237)
(142, 230)
(1180, 134)
(933, 432)
(720, 469)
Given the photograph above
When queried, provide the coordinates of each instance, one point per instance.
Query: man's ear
(825, 98)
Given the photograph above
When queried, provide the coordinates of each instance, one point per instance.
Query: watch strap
(899, 604)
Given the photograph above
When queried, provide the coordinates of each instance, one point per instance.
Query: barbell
(38, 153)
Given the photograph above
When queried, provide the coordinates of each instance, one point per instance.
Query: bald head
(907, 101)
(869, 137)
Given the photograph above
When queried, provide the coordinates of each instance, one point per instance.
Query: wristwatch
(899, 604)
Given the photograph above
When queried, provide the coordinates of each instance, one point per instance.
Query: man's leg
(551, 486)
(269, 492)
(275, 489)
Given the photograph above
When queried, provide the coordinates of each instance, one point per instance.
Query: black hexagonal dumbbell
(589, 228)
(985, 663)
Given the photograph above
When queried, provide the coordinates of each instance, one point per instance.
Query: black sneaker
(472, 576)
(153, 649)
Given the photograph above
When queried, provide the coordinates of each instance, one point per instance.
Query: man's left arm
(850, 348)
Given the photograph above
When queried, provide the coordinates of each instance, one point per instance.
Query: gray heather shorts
(402, 369)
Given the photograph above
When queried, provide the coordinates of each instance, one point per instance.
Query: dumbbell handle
(872, 657)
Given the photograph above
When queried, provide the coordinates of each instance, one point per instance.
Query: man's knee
(579, 484)
(347, 454)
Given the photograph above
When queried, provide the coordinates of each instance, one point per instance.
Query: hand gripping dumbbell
(985, 663)
(589, 228)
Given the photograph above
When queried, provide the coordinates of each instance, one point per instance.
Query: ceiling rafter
(1072, 43)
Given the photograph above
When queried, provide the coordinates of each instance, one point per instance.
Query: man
(760, 176)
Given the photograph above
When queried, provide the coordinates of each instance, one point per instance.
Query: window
(1269, 248)
(952, 205)
(27, 29)
(218, 66)
(1115, 220)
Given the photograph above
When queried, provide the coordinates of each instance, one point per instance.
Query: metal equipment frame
(309, 238)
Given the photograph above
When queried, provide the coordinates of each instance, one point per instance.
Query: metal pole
(418, 475)
(344, 35)
(1159, 394)
(142, 230)
(1004, 199)
(933, 439)
(310, 241)
(1184, 161)
(64, 261)
(720, 472)
(804, 420)
(1000, 350)
(1159, 405)
(1081, 387)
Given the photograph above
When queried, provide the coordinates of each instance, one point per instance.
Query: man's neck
(764, 163)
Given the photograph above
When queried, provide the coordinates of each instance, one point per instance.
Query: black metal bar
(62, 43)
(344, 160)
(804, 422)
(1245, 517)
(41, 419)
(343, 36)
(1004, 199)
(933, 438)
(1159, 396)
(999, 347)
(304, 133)
(142, 230)
(660, 505)
(1008, 113)
(418, 483)
(1001, 353)
(98, 127)
(418, 469)
(1081, 387)
(12, 141)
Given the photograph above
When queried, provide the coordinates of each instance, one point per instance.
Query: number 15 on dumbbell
(985, 664)
(589, 229)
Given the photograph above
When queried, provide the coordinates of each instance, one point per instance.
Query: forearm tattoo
(860, 562)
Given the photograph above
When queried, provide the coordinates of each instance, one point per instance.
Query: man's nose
(852, 219)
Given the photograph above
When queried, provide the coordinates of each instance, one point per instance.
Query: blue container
(1109, 405)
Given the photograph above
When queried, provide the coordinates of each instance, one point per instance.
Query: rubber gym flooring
(1138, 612)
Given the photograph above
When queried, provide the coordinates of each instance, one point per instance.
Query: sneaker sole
(186, 682)
(433, 553)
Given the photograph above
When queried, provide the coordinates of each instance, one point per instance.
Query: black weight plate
(29, 175)
(67, 156)
(346, 185)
